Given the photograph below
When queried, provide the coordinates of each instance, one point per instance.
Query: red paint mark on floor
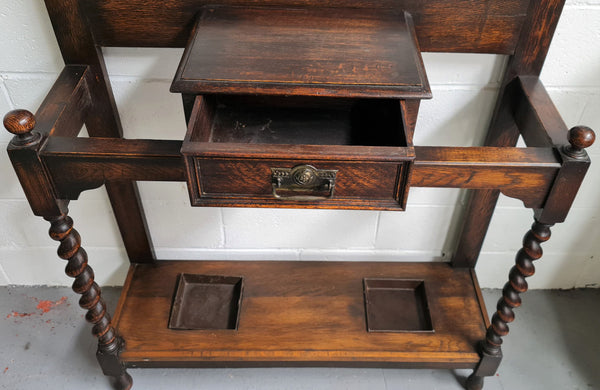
(6, 369)
(46, 306)
(17, 314)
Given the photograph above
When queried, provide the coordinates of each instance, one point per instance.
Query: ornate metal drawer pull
(303, 180)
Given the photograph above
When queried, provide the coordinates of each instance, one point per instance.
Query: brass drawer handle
(304, 179)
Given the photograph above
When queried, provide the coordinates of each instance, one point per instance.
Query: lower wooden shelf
(296, 313)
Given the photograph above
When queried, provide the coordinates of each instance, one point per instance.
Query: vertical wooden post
(78, 47)
(527, 60)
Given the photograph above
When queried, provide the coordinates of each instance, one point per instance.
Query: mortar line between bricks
(8, 98)
(3, 273)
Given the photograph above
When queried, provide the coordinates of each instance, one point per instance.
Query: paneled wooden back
(522, 28)
(480, 26)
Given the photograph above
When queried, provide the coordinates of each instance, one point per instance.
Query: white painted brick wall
(464, 88)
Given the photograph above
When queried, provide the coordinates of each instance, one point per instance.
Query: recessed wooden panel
(476, 26)
(206, 302)
(396, 305)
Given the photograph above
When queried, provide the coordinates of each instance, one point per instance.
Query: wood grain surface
(302, 51)
(300, 313)
(480, 26)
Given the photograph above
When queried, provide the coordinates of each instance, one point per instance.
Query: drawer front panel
(237, 182)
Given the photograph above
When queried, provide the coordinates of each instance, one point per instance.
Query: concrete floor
(46, 344)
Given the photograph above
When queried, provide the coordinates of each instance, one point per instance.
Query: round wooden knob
(581, 137)
(19, 122)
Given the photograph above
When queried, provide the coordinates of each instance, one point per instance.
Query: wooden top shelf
(311, 52)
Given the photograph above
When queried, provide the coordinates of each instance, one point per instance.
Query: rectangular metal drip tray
(396, 305)
(206, 302)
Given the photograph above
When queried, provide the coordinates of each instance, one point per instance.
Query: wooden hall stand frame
(301, 313)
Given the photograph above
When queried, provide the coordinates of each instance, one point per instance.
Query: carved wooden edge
(109, 342)
(523, 173)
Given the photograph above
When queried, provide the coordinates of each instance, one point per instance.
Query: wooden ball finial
(580, 137)
(19, 122)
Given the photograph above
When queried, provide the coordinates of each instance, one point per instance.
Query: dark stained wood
(230, 150)
(580, 138)
(65, 107)
(23, 153)
(527, 60)
(503, 132)
(109, 342)
(575, 163)
(516, 285)
(79, 164)
(526, 174)
(534, 41)
(476, 220)
(20, 123)
(333, 152)
(359, 122)
(304, 51)
(77, 46)
(410, 111)
(247, 182)
(299, 313)
(539, 122)
(482, 26)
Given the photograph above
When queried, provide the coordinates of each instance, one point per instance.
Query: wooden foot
(474, 382)
(109, 343)
(123, 382)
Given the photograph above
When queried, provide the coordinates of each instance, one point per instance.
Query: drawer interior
(299, 120)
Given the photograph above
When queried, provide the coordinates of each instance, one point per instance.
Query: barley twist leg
(523, 268)
(109, 343)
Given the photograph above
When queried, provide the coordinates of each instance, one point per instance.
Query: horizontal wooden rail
(523, 173)
(63, 111)
(537, 118)
(78, 164)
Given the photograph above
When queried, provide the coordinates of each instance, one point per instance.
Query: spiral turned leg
(109, 343)
(490, 347)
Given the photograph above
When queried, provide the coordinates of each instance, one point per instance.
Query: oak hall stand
(290, 104)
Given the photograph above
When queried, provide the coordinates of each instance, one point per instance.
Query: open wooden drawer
(294, 108)
(286, 151)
